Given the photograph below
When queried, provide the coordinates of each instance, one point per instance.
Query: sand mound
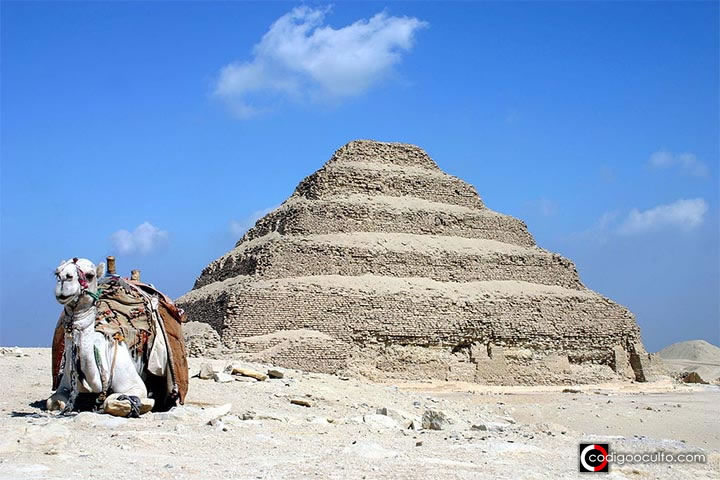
(696, 356)
(695, 350)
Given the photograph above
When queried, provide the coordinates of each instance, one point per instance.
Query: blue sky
(157, 131)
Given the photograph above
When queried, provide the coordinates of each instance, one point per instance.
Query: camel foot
(121, 405)
(56, 402)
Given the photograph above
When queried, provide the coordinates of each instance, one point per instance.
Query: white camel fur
(100, 360)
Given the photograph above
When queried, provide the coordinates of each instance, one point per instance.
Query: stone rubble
(245, 372)
(222, 377)
(207, 371)
(12, 352)
(404, 419)
(436, 420)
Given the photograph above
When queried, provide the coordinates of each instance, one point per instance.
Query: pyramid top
(397, 154)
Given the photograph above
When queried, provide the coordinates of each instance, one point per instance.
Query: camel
(93, 362)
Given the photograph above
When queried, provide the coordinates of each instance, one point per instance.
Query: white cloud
(682, 214)
(239, 227)
(301, 58)
(688, 162)
(599, 232)
(605, 220)
(143, 240)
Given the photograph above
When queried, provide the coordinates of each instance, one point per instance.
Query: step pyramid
(381, 264)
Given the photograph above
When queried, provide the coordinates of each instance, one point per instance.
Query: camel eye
(89, 276)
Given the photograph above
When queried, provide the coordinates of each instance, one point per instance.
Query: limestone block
(621, 362)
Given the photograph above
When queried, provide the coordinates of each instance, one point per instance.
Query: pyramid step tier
(372, 309)
(362, 213)
(346, 178)
(438, 258)
(384, 153)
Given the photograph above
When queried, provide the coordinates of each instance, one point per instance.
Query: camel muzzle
(65, 298)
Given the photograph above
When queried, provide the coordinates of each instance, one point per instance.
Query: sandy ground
(519, 432)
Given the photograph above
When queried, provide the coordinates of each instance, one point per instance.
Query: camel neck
(80, 319)
(81, 333)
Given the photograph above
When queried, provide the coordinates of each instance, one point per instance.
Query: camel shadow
(84, 402)
(40, 404)
(37, 405)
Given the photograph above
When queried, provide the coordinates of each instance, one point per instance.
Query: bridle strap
(82, 280)
(81, 275)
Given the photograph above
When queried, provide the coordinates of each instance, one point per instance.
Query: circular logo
(594, 458)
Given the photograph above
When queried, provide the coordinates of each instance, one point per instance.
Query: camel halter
(72, 318)
(81, 275)
(82, 280)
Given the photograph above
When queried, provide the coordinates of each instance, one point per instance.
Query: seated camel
(118, 339)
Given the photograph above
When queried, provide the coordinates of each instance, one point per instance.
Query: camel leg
(59, 399)
(126, 383)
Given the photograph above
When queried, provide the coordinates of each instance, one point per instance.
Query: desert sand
(250, 429)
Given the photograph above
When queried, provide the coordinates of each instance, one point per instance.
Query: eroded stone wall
(323, 216)
(361, 178)
(391, 255)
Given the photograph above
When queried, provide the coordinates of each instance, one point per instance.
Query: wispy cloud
(144, 239)
(543, 206)
(302, 58)
(599, 232)
(239, 227)
(687, 162)
(682, 214)
(605, 221)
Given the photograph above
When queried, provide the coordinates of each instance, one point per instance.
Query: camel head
(76, 276)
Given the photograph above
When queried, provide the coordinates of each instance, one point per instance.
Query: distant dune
(693, 356)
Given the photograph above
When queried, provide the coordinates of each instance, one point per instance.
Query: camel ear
(100, 270)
